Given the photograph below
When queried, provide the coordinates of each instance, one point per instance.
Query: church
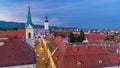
(33, 33)
(16, 47)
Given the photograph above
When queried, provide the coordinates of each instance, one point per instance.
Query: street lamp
(45, 62)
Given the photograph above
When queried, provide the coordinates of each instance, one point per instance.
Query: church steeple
(29, 29)
(29, 20)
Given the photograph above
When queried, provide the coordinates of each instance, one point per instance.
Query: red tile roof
(19, 33)
(84, 57)
(58, 55)
(93, 38)
(16, 52)
(112, 49)
(97, 36)
(67, 32)
(57, 40)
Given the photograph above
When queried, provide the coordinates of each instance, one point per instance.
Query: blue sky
(93, 14)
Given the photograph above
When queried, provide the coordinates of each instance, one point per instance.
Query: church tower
(46, 25)
(29, 29)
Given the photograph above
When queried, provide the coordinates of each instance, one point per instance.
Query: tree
(81, 37)
(72, 38)
(109, 37)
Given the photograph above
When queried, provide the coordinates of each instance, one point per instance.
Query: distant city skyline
(92, 14)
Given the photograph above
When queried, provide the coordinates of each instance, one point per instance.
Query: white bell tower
(46, 25)
(29, 30)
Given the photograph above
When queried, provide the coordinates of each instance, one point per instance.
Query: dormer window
(100, 61)
(1, 43)
(78, 63)
(57, 57)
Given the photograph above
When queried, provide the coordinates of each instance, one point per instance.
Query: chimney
(118, 45)
(74, 49)
(105, 45)
(117, 51)
(86, 46)
(97, 46)
(109, 45)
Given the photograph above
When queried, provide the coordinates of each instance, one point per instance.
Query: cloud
(78, 13)
(55, 22)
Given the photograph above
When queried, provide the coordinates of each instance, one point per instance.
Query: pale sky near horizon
(93, 14)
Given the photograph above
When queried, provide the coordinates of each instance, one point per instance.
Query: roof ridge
(13, 54)
(106, 50)
(55, 50)
(63, 56)
(26, 49)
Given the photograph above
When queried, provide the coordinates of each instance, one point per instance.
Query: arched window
(29, 35)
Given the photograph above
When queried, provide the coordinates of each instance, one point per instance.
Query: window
(29, 35)
(78, 63)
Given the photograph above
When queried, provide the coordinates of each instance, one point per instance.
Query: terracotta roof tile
(112, 49)
(16, 52)
(19, 33)
(99, 56)
(93, 38)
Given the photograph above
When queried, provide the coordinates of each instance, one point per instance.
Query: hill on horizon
(6, 24)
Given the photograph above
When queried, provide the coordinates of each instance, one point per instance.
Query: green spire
(29, 20)
(46, 20)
